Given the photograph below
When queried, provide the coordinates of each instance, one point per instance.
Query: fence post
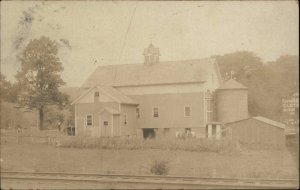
(18, 138)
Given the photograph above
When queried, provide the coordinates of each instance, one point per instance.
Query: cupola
(151, 55)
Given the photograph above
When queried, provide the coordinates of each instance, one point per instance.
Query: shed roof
(231, 84)
(262, 119)
(109, 91)
(188, 71)
(270, 122)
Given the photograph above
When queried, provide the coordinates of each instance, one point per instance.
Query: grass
(254, 163)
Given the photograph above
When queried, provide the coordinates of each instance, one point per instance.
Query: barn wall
(161, 133)
(255, 132)
(171, 110)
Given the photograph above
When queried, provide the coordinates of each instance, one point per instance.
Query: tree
(39, 77)
(248, 69)
(267, 83)
(5, 86)
(243, 63)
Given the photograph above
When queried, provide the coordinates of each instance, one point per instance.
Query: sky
(96, 33)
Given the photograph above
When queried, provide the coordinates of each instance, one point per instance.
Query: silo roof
(231, 84)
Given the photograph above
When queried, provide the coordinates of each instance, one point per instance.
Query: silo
(232, 101)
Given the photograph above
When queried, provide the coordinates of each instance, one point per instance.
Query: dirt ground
(45, 158)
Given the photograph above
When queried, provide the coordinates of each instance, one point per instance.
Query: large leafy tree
(247, 69)
(5, 86)
(267, 83)
(9, 91)
(39, 77)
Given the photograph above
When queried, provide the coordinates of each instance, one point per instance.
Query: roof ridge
(164, 72)
(161, 62)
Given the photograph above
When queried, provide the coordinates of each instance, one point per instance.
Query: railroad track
(153, 181)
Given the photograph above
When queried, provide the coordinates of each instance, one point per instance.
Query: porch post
(209, 131)
(218, 131)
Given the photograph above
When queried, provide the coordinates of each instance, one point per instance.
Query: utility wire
(125, 39)
(127, 31)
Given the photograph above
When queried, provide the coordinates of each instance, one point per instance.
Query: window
(96, 96)
(89, 120)
(155, 112)
(209, 109)
(137, 112)
(105, 123)
(125, 119)
(187, 111)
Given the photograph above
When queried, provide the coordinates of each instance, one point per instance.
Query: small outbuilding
(257, 131)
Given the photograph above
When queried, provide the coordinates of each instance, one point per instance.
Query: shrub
(207, 145)
(159, 167)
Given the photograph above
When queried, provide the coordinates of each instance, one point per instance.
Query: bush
(159, 167)
(207, 145)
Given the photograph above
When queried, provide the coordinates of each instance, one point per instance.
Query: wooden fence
(30, 139)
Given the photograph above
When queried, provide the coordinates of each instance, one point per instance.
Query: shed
(257, 131)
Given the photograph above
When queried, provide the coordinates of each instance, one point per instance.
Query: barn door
(104, 125)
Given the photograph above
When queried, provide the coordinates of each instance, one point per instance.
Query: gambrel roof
(171, 72)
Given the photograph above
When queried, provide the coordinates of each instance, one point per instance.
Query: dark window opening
(214, 130)
(125, 119)
(138, 112)
(149, 133)
(89, 120)
(188, 130)
(105, 123)
(187, 111)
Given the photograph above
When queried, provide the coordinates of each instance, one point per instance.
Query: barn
(257, 131)
(151, 99)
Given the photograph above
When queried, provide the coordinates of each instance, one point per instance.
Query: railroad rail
(183, 182)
